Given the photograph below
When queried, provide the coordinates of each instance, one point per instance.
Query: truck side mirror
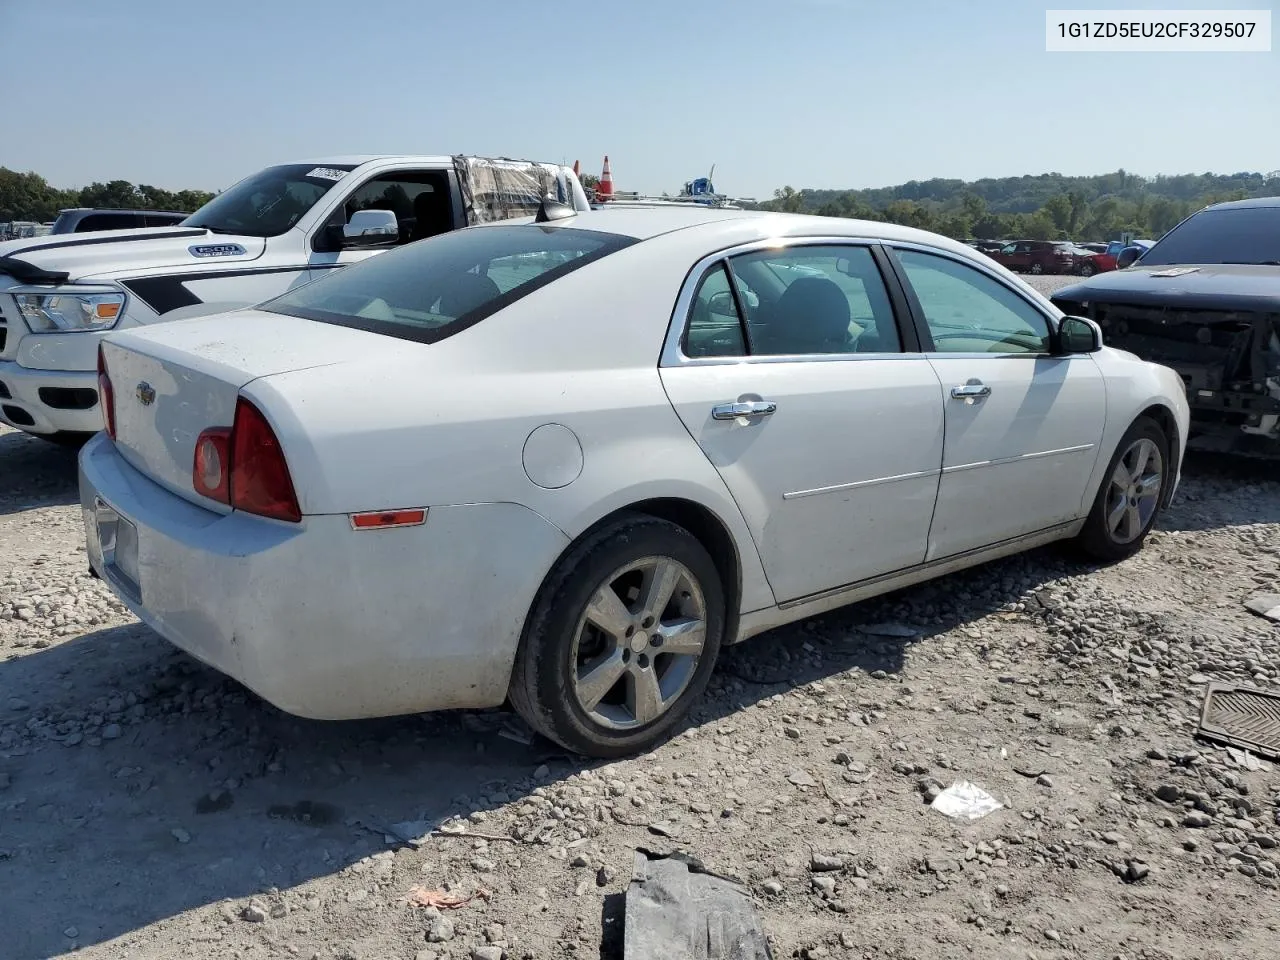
(1127, 257)
(371, 228)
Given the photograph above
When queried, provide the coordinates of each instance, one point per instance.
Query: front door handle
(743, 408)
(971, 391)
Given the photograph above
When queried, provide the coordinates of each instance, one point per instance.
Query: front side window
(967, 311)
(429, 291)
(268, 203)
(419, 199)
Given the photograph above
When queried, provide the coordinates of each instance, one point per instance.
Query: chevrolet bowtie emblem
(146, 394)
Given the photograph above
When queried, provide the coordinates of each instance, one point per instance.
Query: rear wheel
(622, 639)
(1037, 268)
(1128, 502)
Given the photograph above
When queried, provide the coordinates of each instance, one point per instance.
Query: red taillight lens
(260, 481)
(211, 471)
(106, 397)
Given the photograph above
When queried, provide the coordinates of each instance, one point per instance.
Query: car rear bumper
(49, 401)
(317, 618)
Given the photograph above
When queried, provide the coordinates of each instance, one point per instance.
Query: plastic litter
(965, 801)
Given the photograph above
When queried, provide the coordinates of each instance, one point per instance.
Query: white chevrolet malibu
(564, 462)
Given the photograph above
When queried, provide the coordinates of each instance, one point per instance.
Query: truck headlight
(70, 309)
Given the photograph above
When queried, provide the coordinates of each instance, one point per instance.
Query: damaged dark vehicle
(1205, 301)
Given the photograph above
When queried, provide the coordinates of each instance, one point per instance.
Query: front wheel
(622, 639)
(1128, 502)
(1086, 270)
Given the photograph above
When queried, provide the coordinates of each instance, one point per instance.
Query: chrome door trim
(1038, 455)
(859, 484)
(758, 621)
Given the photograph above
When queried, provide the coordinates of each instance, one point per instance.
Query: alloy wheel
(1134, 490)
(638, 642)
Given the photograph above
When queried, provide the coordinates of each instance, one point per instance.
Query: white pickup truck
(270, 232)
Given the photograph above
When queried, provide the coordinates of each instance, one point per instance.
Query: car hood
(110, 252)
(1217, 286)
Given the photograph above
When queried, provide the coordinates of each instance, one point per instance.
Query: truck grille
(1210, 348)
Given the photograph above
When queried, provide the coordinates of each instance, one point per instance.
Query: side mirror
(1078, 335)
(722, 305)
(368, 228)
(1127, 257)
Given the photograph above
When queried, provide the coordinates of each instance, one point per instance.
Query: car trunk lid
(173, 381)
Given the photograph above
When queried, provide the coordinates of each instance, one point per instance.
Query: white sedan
(562, 463)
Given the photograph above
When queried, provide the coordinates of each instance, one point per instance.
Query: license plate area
(118, 539)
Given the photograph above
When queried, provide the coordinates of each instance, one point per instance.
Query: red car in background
(1037, 256)
(1102, 262)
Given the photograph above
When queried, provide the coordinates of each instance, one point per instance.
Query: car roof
(1241, 204)
(642, 223)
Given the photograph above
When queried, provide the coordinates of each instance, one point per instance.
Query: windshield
(435, 288)
(1231, 235)
(268, 203)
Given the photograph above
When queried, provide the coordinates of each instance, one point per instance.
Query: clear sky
(811, 93)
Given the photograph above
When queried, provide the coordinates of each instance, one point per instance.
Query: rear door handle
(743, 408)
(970, 391)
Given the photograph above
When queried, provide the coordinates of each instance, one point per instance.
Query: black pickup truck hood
(1211, 286)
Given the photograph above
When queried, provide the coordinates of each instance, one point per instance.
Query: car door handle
(743, 408)
(970, 391)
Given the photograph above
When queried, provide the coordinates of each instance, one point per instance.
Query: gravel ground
(150, 808)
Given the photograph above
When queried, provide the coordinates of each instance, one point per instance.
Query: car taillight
(106, 397)
(260, 481)
(243, 466)
(211, 472)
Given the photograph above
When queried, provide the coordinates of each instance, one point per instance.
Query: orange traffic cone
(604, 190)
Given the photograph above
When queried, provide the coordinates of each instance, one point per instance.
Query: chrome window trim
(1051, 321)
(673, 354)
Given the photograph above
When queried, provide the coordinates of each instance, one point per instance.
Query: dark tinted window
(108, 221)
(163, 219)
(1239, 235)
(431, 290)
(270, 202)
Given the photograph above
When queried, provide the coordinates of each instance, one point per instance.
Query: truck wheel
(1128, 502)
(622, 639)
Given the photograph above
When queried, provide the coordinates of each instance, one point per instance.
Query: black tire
(66, 438)
(542, 687)
(1086, 270)
(1097, 540)
(1037, 268)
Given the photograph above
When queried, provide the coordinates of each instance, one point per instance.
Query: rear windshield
(1240, 235)
(434, 288)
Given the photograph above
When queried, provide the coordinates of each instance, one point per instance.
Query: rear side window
(797, 301)
(431, 290)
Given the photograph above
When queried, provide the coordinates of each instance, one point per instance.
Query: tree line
(1045, 207)
(28, 196)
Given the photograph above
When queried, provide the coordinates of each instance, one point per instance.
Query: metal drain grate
(1243, 717)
